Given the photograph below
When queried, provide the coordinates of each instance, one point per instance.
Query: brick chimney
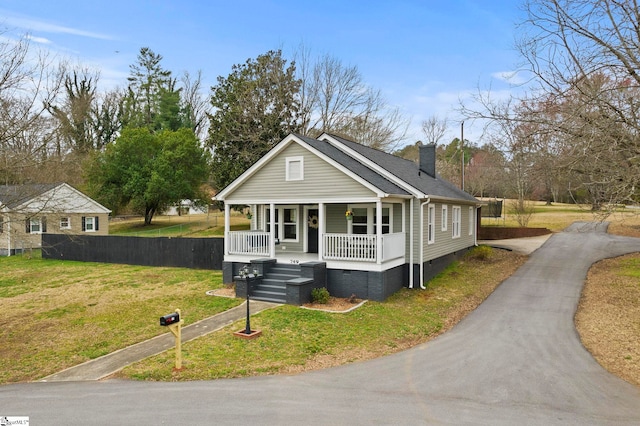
(428, 159)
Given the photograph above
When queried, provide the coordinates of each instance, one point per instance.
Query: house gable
(66, 199)
(296, 172)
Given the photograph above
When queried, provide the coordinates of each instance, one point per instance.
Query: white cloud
(30, 25)
(40, 40)
(511, 77)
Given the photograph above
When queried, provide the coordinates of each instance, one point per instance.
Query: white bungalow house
(333, 213)
(28, 211)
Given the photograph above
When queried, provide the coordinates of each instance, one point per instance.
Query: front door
(312, 230)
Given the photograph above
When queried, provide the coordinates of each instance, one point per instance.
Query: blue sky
(423, 55)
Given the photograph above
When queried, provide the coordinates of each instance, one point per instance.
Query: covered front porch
(362, 236)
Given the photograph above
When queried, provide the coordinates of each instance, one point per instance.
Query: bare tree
(334, 98)
(434, 128)
(585, 58)
(195, 103)
(29, 80)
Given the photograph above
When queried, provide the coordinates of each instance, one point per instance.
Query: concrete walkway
(516, 360)
(104, 366)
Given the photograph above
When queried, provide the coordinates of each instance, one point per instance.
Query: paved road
(516, 360)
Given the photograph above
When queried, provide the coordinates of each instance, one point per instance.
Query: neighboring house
(354, 219)
(28, 211)
(186, 207)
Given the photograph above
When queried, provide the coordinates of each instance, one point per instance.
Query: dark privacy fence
(197, 253)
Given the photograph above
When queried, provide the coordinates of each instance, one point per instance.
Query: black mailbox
(170, 319)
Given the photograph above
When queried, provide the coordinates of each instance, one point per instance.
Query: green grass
(296, 339)
(199, 225)
(64, 313)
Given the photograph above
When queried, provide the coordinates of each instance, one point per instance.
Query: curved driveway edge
(516, 360)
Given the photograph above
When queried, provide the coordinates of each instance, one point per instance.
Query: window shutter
(44, 224)
(28, 228)
(96, 227)
(84, 227)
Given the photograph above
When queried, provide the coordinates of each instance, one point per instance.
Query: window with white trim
(455, 222)
(36, 225)
(286, 223)
(365, 219)
(445, 217)
(431, 224)
(65, 223)
(472, 222)
(90, 224)
(294, 168)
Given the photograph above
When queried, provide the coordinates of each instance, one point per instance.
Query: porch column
(379, 231)
(321, 230)
(227, 227)
(272, 230)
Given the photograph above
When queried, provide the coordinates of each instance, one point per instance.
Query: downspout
(477, 226)
(9, 238)
(422, 242)
(411, 226)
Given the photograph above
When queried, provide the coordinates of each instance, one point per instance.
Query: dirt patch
(336, 304)
(608, 316)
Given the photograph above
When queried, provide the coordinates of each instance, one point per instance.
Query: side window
(455, 222)
(65, 223)
(90, 223)
(445, 217)
(431, 224)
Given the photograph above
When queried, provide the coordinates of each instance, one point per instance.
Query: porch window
(290, 217)
(455, 222)
(431, 224)
(364, 220)
(359, 222)
(286, 223)
(295, 168)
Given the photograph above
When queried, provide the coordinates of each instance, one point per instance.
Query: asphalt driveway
(516, 360)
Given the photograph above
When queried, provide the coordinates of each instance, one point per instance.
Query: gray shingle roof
(12, 196)
(355, 166)
(406, 170)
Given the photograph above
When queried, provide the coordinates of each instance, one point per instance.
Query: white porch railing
(360, 247)
(393, 246)
(249, 242)
(349, 247)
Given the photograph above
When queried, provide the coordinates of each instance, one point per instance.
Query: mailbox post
(174, 322)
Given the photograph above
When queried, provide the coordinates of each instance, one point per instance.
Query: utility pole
(462, 155)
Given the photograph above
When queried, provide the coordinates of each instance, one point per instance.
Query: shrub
(481, 253)
(320, 295)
